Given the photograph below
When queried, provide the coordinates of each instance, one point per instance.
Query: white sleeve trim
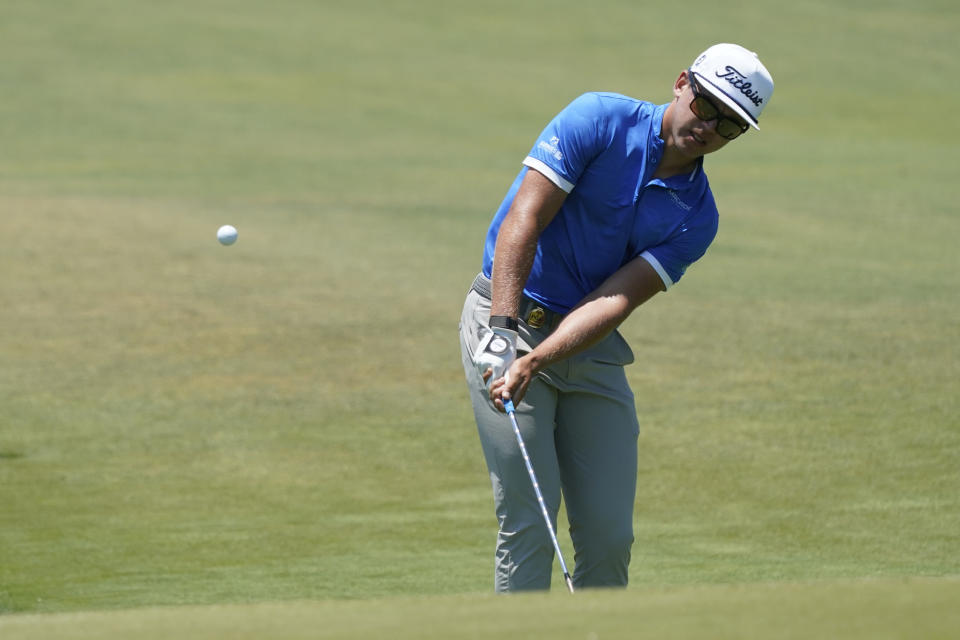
(667, 282)
(552, 175)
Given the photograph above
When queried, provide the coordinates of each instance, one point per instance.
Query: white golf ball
(227, 234)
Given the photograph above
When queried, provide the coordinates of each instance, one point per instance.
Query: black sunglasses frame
(722, 120)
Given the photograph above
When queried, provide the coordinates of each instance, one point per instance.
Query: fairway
(863, 609)
(199, 441)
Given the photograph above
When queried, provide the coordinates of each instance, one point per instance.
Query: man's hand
(495, 353)
(513, 385)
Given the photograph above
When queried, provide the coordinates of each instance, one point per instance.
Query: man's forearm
(585, 326)
(536, 203)
(513, 259)
(599, 314)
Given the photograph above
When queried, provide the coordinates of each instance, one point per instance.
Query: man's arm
(535, 205)
(589, 322)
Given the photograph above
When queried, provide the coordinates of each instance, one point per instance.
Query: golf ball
(227, 234)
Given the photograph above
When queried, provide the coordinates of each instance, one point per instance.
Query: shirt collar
(655, 149)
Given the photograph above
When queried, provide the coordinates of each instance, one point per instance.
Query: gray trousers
(579, 425)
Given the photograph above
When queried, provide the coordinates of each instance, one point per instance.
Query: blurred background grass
(286, 418)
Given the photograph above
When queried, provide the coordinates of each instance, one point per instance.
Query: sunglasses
(705, 109)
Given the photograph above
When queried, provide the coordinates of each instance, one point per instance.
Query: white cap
(737, 77)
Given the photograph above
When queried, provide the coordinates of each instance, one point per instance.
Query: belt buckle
(536, 317)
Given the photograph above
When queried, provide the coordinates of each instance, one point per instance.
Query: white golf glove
(497, 351)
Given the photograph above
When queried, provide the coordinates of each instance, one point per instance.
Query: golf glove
(497, 350)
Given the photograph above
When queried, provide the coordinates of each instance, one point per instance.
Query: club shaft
(511, 411)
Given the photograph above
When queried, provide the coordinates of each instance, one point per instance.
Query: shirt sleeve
(571, 140)
(671, 258)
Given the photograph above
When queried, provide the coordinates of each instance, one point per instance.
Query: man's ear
(683, 80)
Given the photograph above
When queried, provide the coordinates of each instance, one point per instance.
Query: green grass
(860, 609)
(192, 426)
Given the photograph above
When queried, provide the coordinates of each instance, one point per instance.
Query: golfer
(611, 207)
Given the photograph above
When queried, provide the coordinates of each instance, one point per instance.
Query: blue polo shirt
(603, 150)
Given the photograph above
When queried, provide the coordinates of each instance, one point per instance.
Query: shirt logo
(552, 147)
(677, 201)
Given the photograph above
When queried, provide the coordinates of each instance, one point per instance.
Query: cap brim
(727, 100)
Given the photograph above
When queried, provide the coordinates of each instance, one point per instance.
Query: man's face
(696, 137)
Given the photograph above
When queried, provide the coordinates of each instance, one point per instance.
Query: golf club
(511, 411)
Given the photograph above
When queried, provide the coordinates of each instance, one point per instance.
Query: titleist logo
(738, 80)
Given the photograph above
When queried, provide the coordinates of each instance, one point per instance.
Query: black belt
(531, 312)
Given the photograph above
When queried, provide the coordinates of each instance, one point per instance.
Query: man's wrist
(504, 322)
